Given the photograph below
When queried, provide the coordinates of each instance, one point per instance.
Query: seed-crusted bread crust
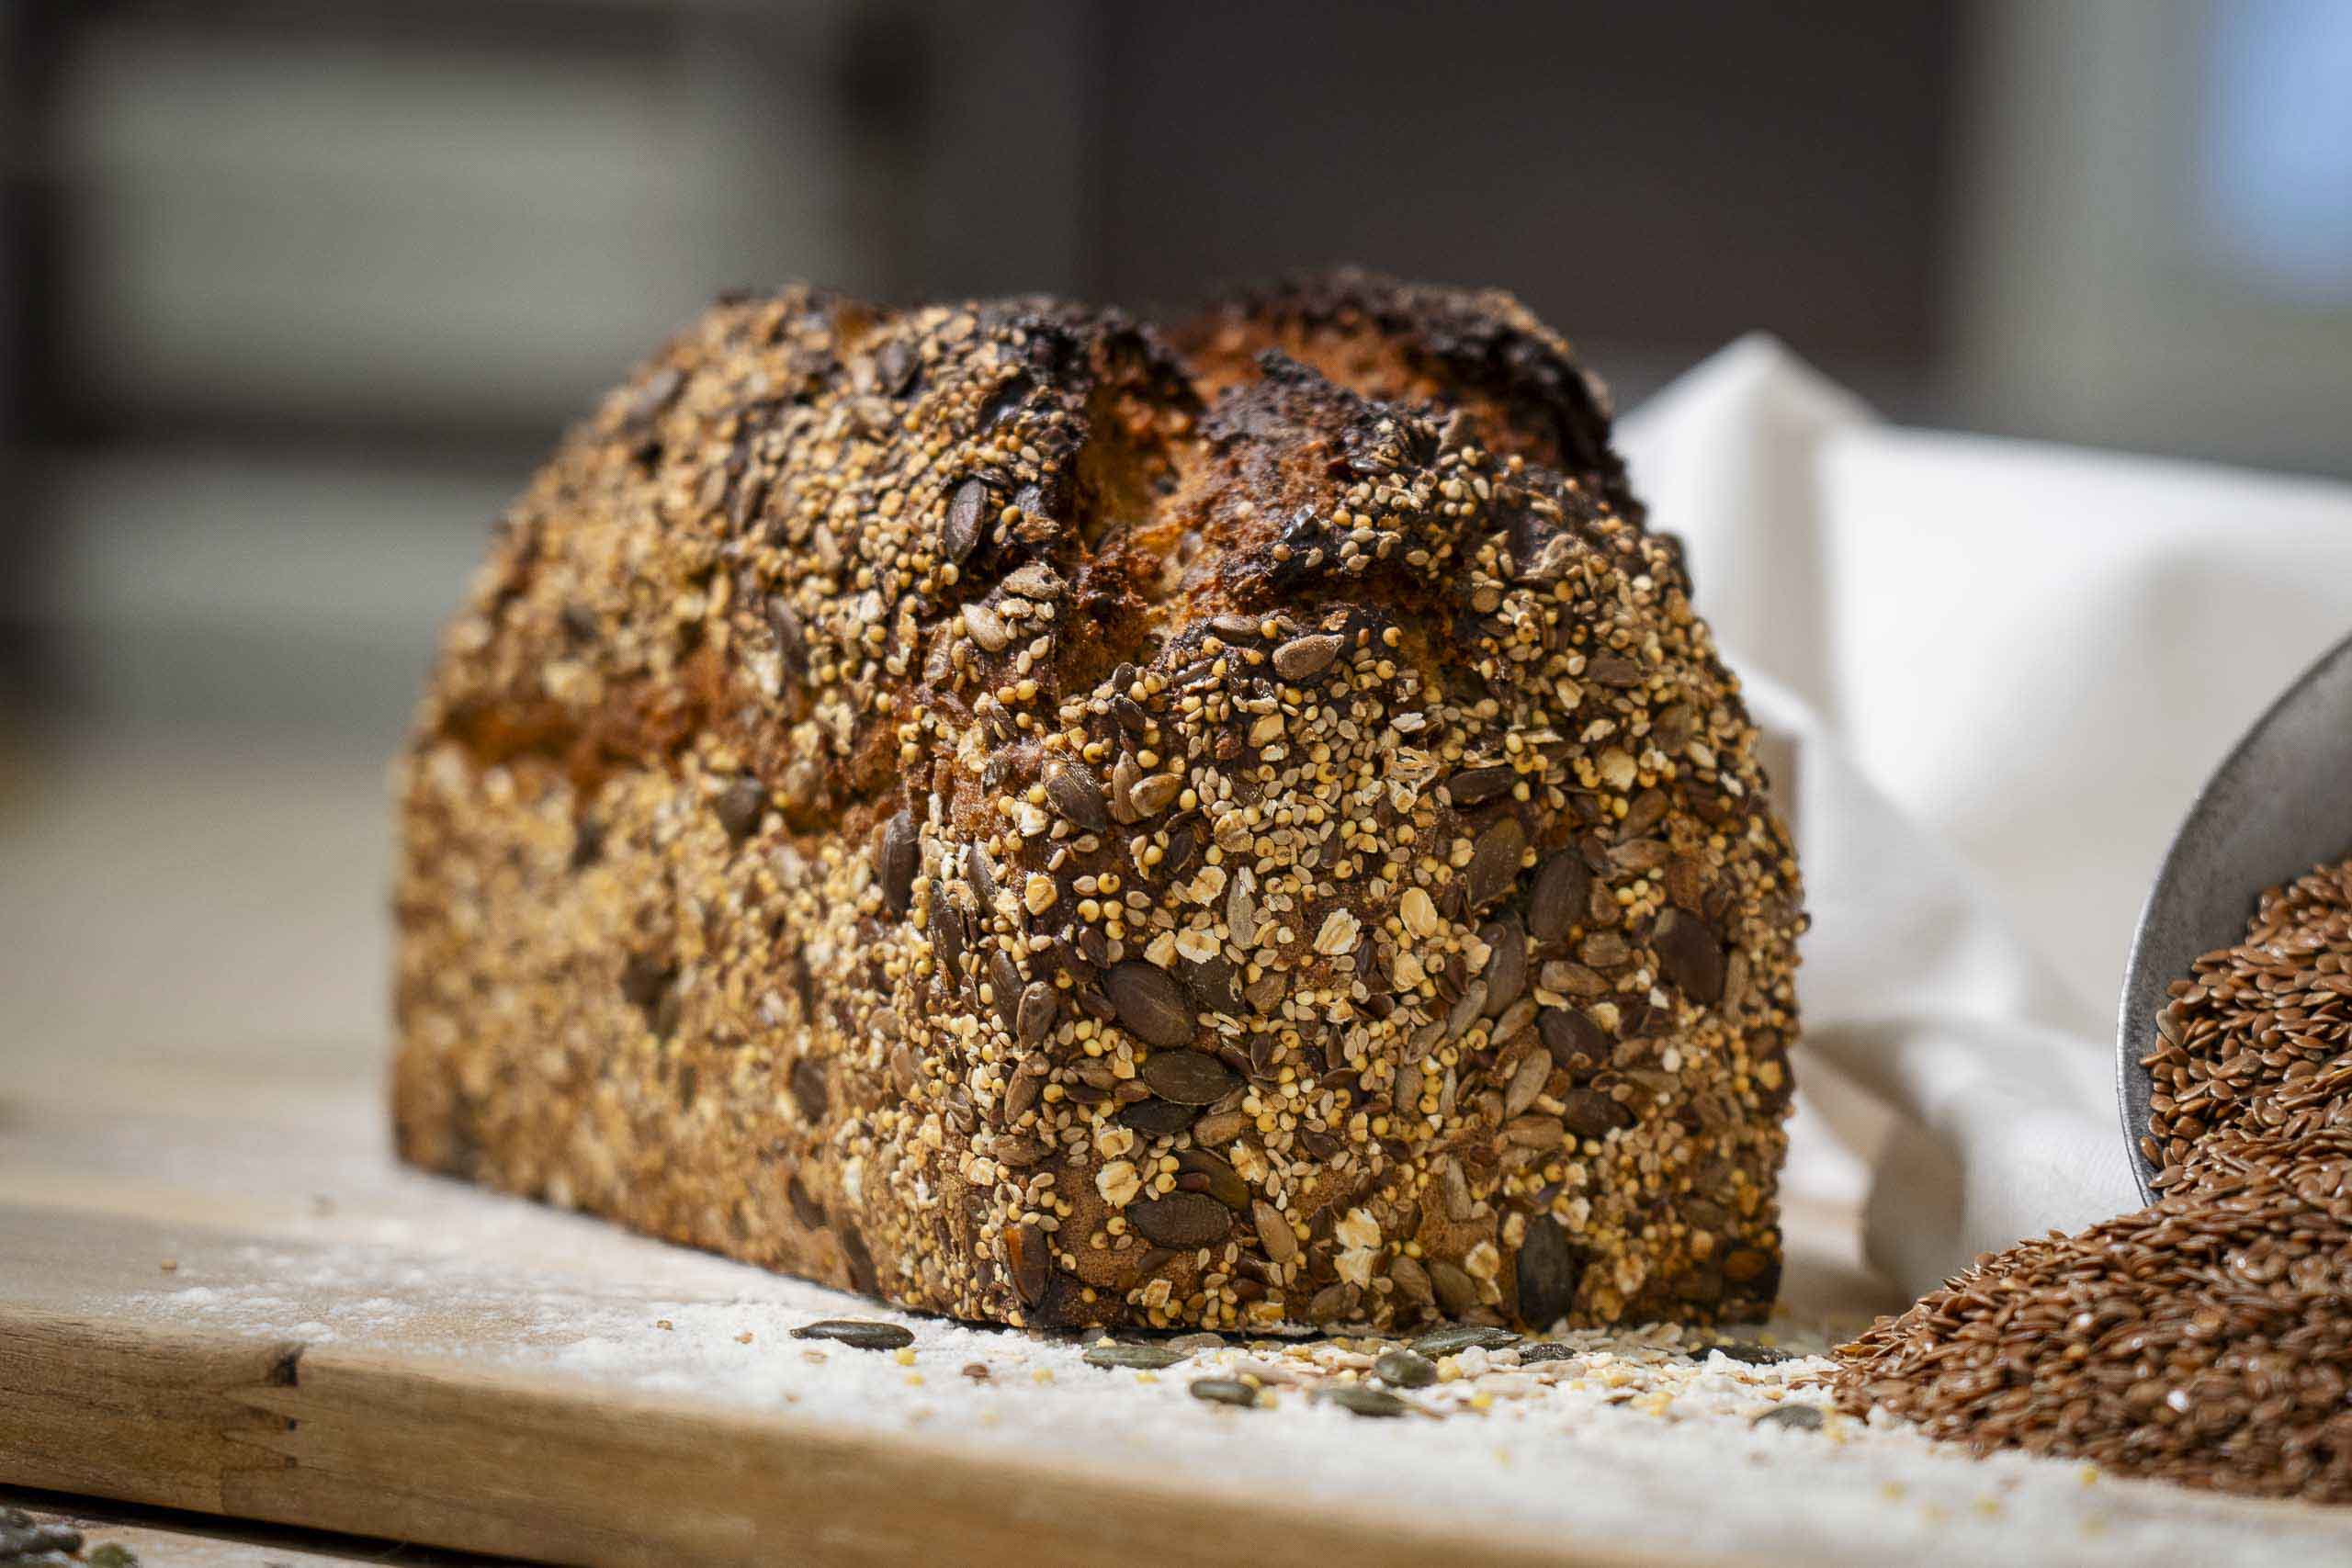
(1060, 822)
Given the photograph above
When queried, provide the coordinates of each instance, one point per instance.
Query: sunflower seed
(1588, 1113)
(1412, 1280)
(895, 862)
(986, 627)
(1527, 1083)
(1302, 658)
(1224, 1183)
(1570, 1039)
(1036, 1017)
(965, 514)
(1274, 1232)
(1506, 973)
(1154, 793)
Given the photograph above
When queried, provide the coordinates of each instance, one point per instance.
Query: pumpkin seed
(858, 1333)
(1150, 1004)
(1493, 862)
(1457, 1337)
(1224, 1183)
(1550, 1268)
(1405, 1369)
(1134, 1357)
(1796, 1417)
(1358, 1400)
(1225, 1391)
(1030, 1252)
(738, 807)
(1475, 786)
(1188, 1078)
(1456, 1291)
(1181, 1219)
(1561, 887)
(895, 862)
(1689, 955)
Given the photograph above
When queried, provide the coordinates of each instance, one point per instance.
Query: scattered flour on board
(1644, 1436)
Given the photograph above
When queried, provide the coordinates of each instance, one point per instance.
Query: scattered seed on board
(1225, 1391)
(1359, 1400)
(1135, 1357)
(1452, 1340)
(857, 1333)
(1798, 1417)
(1405, 1369)
(33, 1543)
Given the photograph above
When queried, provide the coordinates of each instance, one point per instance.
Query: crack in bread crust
(1064, 822)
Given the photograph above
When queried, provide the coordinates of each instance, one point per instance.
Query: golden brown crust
(972, 805)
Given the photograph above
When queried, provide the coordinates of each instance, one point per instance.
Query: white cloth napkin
(1996, 673)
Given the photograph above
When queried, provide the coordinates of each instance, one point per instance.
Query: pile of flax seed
(2206, 1339)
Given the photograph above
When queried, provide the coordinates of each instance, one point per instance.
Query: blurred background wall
(293, 294)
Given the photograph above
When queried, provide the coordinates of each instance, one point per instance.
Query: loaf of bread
(1060, 821)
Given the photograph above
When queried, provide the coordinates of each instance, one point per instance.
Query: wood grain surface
(415, 1447)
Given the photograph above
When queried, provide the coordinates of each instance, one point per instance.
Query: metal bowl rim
(2136, 1011)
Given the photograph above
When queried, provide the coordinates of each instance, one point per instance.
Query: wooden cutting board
(218, 1293)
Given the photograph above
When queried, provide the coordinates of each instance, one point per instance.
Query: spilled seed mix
(2206, 1339)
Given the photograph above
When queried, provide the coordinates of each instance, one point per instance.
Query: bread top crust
(1283, 716)
(789, 471)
